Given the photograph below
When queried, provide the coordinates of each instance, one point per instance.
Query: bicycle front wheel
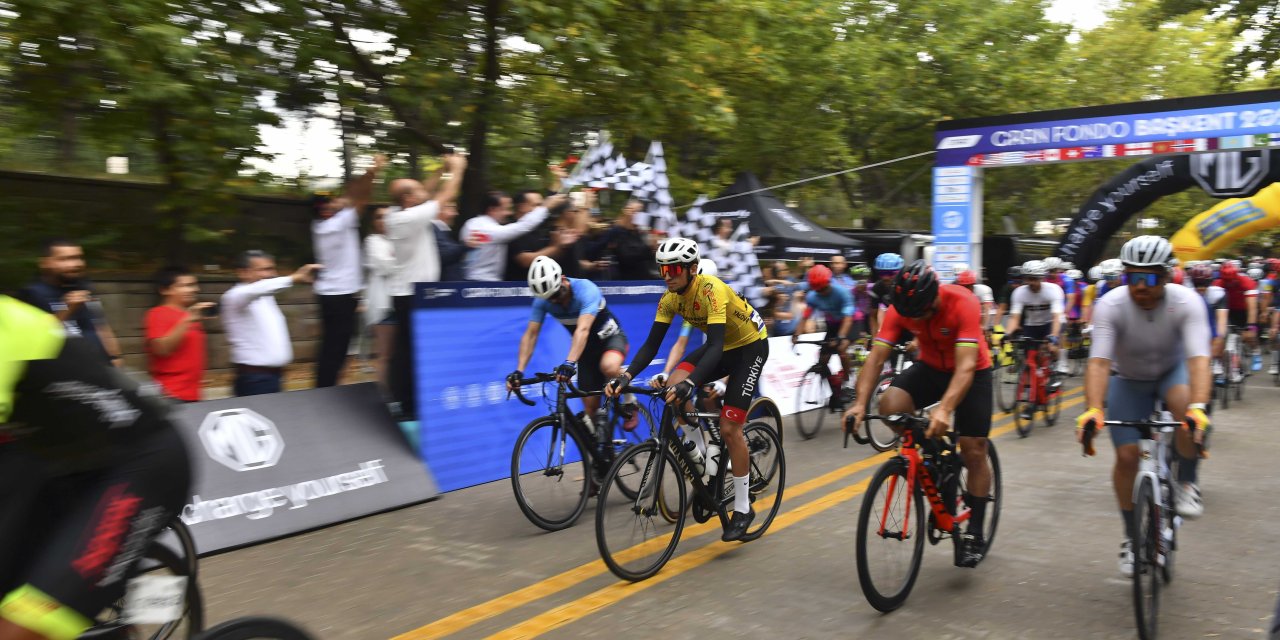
(1053, 408)
(881, 435)
(767, 477)
(550, 474)
(1024, 406)
(890, 542)
(1007, 385)
(1146, 554)
(634, 538)
(811, 403)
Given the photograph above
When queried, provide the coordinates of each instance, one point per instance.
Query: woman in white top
(379, 260)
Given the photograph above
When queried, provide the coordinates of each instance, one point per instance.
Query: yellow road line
(618, 591)
(497, 606)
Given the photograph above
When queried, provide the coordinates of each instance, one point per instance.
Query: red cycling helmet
(1228, 271)
(1178, 275)
(1201, 274)
(819, 277)
(967, 278)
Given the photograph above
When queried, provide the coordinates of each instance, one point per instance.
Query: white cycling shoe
(1189, 504)
(1126, 558)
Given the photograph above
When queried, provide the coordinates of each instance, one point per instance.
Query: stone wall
(126, 299)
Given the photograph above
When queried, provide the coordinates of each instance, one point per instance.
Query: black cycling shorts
(1238, 318)
(926, 386)
(743, 366)
(1037, 332)
(589, 376)
(833, 334)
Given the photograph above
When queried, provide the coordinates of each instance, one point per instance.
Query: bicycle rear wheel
(158, 560)
(1146, 569)
(767, 476)
(765, 409)
(550, 474)
(1023, 407)
(890, 541)
(881, 435)
(992, 516)
(1007, 384)
(255, 628)
(633, 537)
(1053, 408)
(811, 403)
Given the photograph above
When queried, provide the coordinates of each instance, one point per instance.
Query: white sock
(1062, 357)
(694, 435)
(742, 493)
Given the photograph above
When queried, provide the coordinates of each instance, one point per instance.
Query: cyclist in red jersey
(1242, 300)
(953, 369)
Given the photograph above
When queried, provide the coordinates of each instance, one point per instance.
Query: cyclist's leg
(1128, 400)
(743, 366)
(83, 564)
(973, 424)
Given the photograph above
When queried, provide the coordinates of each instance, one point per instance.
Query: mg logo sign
(241, 439)
(1230, 174)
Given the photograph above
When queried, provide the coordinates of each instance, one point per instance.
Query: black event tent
(784, 234)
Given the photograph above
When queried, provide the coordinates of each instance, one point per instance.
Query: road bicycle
(560, 460)
(1235, 369)
(1077, 345)
(637, 532)
(1156, 523)
(1037, 388)
(892, 525)
(879, 435)
(821, 391)
(160, 561)
(255, 628)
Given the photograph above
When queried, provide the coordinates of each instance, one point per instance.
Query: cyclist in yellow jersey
(736, 347)
(91, 470)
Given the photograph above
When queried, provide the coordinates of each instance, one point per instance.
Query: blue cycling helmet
(888, 262)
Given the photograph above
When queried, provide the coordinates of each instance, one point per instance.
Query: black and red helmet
(914, 289)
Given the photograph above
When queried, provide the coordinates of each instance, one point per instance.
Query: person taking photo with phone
(177, 352)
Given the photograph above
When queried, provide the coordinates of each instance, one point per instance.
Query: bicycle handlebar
(1090, 431)
(539, 378)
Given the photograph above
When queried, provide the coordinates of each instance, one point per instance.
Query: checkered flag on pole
(737, 262)
(650, 185)
(601, 167)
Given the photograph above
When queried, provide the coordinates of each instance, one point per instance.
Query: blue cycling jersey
(586, 299)
(837, 304)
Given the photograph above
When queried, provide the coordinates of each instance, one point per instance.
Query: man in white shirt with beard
(411, 230)
(488, 235)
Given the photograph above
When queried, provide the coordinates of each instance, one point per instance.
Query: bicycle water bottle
(713, 459)
(1257, 360)
(699, 462)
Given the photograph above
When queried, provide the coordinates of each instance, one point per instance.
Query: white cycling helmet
(677, 251)
(1095, 273)
(708, 268)
(1034, 269)
(1052, 263)
(1146, 251)
(545, 277)
(1068, 265)
(1255, 273)
(1074, 274)
(1112, 267)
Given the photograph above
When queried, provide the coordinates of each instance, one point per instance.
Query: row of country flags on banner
(1093, 152)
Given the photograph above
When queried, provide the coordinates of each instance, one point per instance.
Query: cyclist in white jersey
(1037, 306)
(1150, 342)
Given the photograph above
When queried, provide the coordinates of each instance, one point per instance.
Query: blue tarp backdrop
(467, 336)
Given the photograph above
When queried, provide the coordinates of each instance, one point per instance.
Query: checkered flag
(737, 262)
(650, 185)
(601, 167)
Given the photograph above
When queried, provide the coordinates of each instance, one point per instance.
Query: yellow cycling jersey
(708, 300)
(26, 333)
(1086, 299)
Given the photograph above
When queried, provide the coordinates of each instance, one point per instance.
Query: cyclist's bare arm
(527, 342)
(677, 352)
(1200, 378)
(581, 334)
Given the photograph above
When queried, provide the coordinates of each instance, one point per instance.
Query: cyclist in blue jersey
(836, 305)
(598, 341)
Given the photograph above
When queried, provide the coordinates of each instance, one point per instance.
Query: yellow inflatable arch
(1220, 227)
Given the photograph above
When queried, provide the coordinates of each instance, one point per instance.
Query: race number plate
(154, 599)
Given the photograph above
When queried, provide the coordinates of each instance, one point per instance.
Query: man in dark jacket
(451, 251)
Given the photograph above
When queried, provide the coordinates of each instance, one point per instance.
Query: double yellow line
(616, 592)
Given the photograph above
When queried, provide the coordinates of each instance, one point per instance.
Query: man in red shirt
(176, 350)
(953, 370)
(1242, 300)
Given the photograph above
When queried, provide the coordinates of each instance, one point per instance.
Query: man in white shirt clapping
(255, 326)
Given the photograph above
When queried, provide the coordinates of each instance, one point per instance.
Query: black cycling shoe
(972, 550)
(738, 524)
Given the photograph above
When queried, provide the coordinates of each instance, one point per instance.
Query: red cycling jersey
(956, 322)
(1237, 291)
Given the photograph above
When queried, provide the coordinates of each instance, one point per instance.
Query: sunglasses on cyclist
(1148, 279)
(671, 270)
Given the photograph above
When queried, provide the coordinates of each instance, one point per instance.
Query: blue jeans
(256, 383)
(1132, 400)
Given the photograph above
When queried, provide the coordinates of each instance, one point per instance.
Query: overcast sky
(311, 146)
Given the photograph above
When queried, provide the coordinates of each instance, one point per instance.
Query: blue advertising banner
(467, 337)
(957, 201)
(1084, 136)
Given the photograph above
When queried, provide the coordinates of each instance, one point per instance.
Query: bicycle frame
(1035, 362)
(600, 452)
(913, 441)
(667, 438)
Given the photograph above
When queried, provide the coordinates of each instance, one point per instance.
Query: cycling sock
(1062, 357)
(742, 493)
(1127, 516)
(1188, 468)
(977, 512)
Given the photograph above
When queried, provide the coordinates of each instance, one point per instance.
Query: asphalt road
(469, 565)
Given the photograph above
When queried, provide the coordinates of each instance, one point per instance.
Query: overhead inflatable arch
(1221, 174)
(1226, 223)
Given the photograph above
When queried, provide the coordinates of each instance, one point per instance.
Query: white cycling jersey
(1037, 307)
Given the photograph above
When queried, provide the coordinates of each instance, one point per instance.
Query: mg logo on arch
(241, 439)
